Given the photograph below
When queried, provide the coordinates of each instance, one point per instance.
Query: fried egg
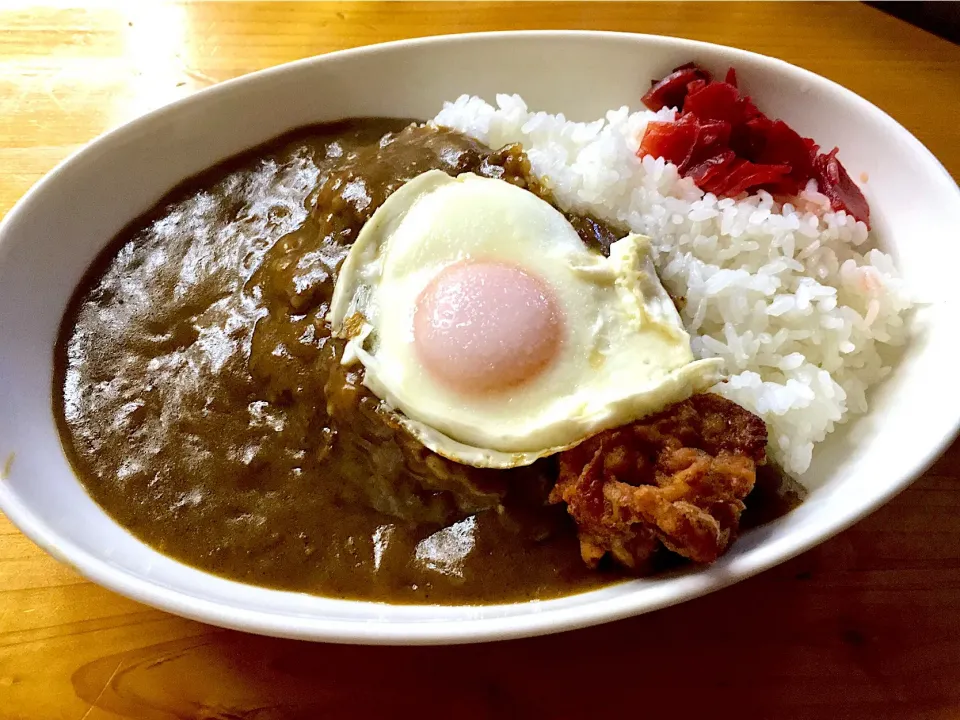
(496, 334)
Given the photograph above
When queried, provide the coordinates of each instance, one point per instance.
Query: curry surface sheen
(203, 405)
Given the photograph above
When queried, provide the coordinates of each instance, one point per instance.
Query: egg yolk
(482, 327)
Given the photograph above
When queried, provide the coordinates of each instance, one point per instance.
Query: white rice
(792, 298)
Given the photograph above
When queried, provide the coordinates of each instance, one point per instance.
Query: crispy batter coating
(676, 479)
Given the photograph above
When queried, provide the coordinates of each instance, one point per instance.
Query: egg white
(625, 353)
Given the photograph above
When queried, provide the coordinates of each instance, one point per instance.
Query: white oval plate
(53, 234)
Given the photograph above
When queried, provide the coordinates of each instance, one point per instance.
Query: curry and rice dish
(493, 357)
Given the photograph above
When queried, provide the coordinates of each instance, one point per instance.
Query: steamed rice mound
(793, 297)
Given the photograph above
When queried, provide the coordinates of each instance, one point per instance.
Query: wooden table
(865, 626)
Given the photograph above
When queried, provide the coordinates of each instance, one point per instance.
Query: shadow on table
(940, 18)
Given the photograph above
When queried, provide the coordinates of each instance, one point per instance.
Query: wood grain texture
(865, 626)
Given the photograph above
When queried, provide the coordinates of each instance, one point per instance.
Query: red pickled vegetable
(750, 110)
(728, 146)
(709, 174)
(776, 143)
(695, 86)
(685, 142)
(672, 141)
(750, 137)
(717, 101)
(836, 184)
(713, 137)
(671, 91)
(782, 144)
(748, 175)
(702, 73)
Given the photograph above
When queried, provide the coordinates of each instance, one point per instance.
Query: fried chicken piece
(676, 479)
